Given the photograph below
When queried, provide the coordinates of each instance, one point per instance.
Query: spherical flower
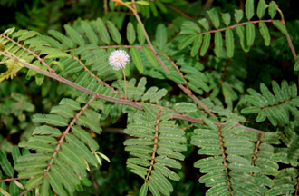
(118, 59)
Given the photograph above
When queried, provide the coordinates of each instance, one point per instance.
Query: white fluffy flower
(118, 59)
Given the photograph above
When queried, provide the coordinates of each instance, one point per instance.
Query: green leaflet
(252, 109)
(90, 123)
(249, 9)
(186, 41)
(161, 182)
(46, 130)
(57, 55)
(86, 138)
(153, 9)
(30, 173)
(105, 37)
(212, 176)
(131, 35)
(74, 34)
(241, 33)
(144, 10)
(27, 35)
(54, 43)
(33, 157)
(42, 139)
(278, 92)
(226, 18)
(63, 111)
(175, 76)
(33, 182)
(140, 34)
(14, 189)
(243, 167)
(115, 34)
(30, 166)
(144, 189)
(50, 119)
(5, 164)
(213, 15)
(153, 188)
(272, 9)
(296, 66)
(161, 36)
(150, 56)
(267, 94)
(265, 33)
(62, 178)
(189, 27)
(40, 147)
(82, 149)
(160, 186)
(69, 156)
(250, 33)
(219, 189)
(196, 45)
(161, 93)
(89, 32)
(218, 44)
(185, 107)
(15, 153)
(230, 43)
(239, 15)
(44, 188)
(204, 23)
(161, 7)
(135, 54)
(261, 8)
(280, 26)
(205, 44)
(57, 187)
(9, 31)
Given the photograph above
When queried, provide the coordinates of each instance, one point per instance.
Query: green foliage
(277, 107)
(154, 134)
(192, 84)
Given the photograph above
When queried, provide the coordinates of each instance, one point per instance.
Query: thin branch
(164, 66)
(287, 34)
(190, 94)
(225, 72)
(12, 179)
(176, 67)
(259, 137)
(105, 6)
(113, 130)
(224, 159)
(125, 83)
(111, 99)
(94, 183)
(174, 8)
(154, 148)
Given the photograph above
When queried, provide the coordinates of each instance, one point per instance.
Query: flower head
(118, 59)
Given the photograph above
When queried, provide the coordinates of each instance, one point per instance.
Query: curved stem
(125, 83)
(111, 99)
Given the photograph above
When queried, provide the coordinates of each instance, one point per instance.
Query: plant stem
(125, 83)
